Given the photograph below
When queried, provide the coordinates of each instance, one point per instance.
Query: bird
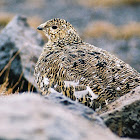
(81, 71)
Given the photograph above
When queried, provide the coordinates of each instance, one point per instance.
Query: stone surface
(18, 36)
(123, 115)
(30, 116)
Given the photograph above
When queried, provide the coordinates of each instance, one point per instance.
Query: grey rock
(30, 116)
(123, 115)
(18, 36)
(76, 107)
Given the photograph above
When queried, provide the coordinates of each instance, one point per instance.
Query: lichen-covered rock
(19, 36)
(30, 116)
(123, 115)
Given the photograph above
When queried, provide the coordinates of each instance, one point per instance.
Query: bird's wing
(98, 72)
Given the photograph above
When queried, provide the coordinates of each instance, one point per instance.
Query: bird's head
(60, 32)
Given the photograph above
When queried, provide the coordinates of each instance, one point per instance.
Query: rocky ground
(123, 115)
(27, 115)
(30, 116)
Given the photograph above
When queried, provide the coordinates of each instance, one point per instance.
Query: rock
(18, 36)
(123, 115)
(30, 116)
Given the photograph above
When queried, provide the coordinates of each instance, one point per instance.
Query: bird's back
(85, 73)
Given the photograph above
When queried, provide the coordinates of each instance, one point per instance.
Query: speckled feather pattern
(81, 71)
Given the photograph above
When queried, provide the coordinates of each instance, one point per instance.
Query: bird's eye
(54, 27)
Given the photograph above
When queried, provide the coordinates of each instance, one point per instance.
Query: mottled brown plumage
(79, 70)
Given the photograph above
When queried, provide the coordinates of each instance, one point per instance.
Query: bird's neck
(69, 39)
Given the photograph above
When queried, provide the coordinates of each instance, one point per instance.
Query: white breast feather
(71, 83)
(94, 96)
(46, 81)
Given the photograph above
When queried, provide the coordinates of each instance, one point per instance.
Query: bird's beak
(41, 26)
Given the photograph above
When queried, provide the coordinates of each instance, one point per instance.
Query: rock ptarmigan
(80, 71)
